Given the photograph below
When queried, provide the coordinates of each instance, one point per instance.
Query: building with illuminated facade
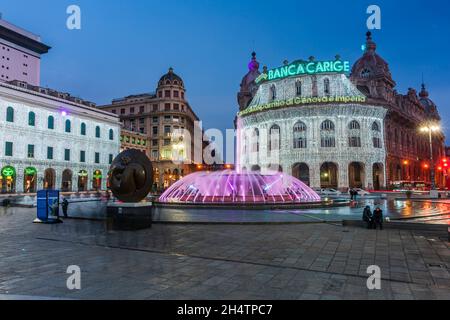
(134, 140)
(333, 126)
(51, 140)
(306, 118)
(161, 117)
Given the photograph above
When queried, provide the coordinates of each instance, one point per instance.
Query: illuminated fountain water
(231, 187)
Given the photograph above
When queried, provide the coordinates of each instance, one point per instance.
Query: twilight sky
(125, 46)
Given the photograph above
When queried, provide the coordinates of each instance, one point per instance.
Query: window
(298, 88)
(82, 156)
(274, 138)
(326, 87)
(354, 142)
(167, 129)
(155, 107)
(51, 122)
(176, 94)
(110, 159)
(327, 138)
(141, 109)
(167, 107)
(166, 142)
(111, 134)
(155, 120)
(176, 106)
(273, 93)
(66, 154)
(155, 143)
(83, 129)
(155, 130)
(10, 114)
(97, 132)
(354, 125)
(8, 149)
(141, 120)
(255, 140)
(377, 142)
(122, 111)
(354, 135)
(167, 94)
(376, 127)
(167, 118)
(68, 126)
(132, 110)
(97, 157)
(32, 119)
(299, 132)
(182, 95)
(50, 153)
(155, 154)
(31, 151)
(113, 111)
(160, 94)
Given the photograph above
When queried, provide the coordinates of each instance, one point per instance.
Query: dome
(239, 187)
(171, 78)
(426, 102)
(371, 64)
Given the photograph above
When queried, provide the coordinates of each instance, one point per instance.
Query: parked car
(361, 192)
(327, 192)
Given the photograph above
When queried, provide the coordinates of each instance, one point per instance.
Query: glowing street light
(430, 129)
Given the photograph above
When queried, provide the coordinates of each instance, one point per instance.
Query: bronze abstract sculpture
(131, 176)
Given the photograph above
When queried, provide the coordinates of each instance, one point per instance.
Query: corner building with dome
(335, 126)
(150, 122)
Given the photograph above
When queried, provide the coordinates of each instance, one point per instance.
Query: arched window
(111, 134)
(273, 93)
(354, 125)
(68, 126)
(83, 129)
(354, 134)
(51, 123)
(326, 87)
(31, 119)
(10, 114)
(97, 132)
(327, 134)
(255, 140)
(298, 88)
(299, 131)
(376, 127)
(274, 138)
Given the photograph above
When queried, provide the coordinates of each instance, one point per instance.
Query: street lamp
(430, 129)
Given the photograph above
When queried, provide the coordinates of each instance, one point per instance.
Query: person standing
(65, 207)
(367, 217)
(378, 218)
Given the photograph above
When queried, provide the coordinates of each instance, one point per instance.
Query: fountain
(239, 188)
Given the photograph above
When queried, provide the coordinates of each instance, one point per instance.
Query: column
(343, 176)
(368, 172)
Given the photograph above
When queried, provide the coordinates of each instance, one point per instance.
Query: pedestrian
(378, 218)
(65, 207)
(368, 217)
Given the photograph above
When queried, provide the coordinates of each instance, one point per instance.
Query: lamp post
(430, 129)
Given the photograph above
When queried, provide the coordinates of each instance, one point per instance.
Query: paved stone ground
(311, 261)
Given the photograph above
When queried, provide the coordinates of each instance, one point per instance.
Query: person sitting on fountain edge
(378, 218)
(367, 217)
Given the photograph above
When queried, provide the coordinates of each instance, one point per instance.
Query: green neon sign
(8, 172)
(302, 101)
(298, 68)
(30, 171)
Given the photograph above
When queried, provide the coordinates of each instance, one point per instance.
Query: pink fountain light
(244, 187)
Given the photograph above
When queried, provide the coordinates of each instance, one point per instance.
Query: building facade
(334, 130)
(51, 140)
(162, 117)
(314, 125)
(134, 140)
(20, 53)
(408, 150)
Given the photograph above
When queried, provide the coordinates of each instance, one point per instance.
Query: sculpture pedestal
(130, 216)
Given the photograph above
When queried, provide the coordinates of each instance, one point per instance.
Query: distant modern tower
(20, 54)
